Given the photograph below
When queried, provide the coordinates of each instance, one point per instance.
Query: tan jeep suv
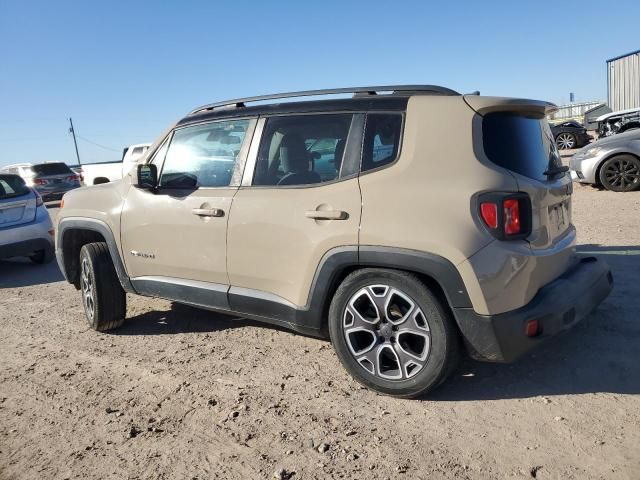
(404, 221)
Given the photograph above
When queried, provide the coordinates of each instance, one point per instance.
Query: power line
(97, 144)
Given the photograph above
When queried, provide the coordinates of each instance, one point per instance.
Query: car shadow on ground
(184, 319)
(600, 354)
(21, 272)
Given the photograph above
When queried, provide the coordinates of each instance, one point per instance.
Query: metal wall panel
(623, 81)
(572, 111)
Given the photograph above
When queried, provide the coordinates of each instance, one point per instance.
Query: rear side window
(381, 140)
(302, 150)
(12, 186)
(45, 169)
(521, 144)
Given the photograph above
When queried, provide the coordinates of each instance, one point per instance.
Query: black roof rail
(357, 91)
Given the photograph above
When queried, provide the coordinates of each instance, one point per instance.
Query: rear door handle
(326, 214)
(208, 212)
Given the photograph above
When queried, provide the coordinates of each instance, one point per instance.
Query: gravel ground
(183, 393)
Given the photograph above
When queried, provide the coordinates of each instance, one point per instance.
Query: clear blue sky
(125, 70)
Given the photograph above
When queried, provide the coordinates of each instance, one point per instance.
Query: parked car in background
(105, 172)
(51, 180)
(612, 162)
(337, 217)
(570, 134)
(78, 170)
(618, 122)
(25, 226)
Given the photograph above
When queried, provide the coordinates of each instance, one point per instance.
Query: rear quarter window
(520, 143)
(382, 137)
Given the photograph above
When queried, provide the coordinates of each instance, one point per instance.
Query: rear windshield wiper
(556, 170)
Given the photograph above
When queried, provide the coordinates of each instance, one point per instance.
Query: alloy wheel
(565, 141)
(386, 332)
(86, 284)
(621, 174)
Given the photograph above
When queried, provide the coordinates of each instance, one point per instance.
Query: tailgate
(521, 141)
(17, 210)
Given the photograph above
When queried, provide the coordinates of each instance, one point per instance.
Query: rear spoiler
(484, 105)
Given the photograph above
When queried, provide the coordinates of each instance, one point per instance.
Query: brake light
(39, 181)
(511, 216)
(73, 178)
(507, 215)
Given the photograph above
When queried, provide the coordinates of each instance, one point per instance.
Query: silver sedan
(612, 162)
(25, 226)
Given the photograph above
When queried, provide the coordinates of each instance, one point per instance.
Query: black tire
(566, 140)
(443, 350)
(620, 173)
(103, 299)
(42, 257)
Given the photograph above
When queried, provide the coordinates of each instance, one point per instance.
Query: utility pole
(73, 132)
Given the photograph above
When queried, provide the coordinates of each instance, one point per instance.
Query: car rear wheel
(391, 332)
(103, 298)
(620, 173)
(566, 141)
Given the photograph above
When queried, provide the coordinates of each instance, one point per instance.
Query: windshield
(51, 169)
(521, 144)
(12, 186)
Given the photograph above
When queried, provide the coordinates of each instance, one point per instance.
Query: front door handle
(208, 212)
(326, 214)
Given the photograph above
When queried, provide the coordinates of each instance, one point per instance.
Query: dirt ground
(183, 393)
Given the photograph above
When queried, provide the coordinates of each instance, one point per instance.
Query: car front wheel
(621, 173)
(391, 332)
(103, 298)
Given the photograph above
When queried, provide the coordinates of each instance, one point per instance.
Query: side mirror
(147, 176)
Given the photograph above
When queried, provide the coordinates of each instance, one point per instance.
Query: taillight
(511, 208)
(489, 211)
(73, 178)
(39, 201)
(507, 215)
(39, 181)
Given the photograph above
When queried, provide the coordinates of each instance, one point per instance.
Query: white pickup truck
(95, 173)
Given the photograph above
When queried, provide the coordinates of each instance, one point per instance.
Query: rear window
(12, 186)
(521, 144)
(51, 169)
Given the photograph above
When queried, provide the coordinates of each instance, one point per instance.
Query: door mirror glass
(147, 176)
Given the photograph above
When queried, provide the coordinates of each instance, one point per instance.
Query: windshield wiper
(556, 170)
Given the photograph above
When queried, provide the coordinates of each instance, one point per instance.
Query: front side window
(302, 150)
(381, 140)
(203, 155)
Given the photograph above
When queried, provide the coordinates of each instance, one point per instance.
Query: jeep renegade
(404, 222)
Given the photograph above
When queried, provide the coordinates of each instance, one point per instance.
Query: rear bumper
(558, 306)
(26, 248)
(55, 193)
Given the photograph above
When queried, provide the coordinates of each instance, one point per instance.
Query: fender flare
(103, 229)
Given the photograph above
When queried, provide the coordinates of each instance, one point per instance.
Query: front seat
(294, 160)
